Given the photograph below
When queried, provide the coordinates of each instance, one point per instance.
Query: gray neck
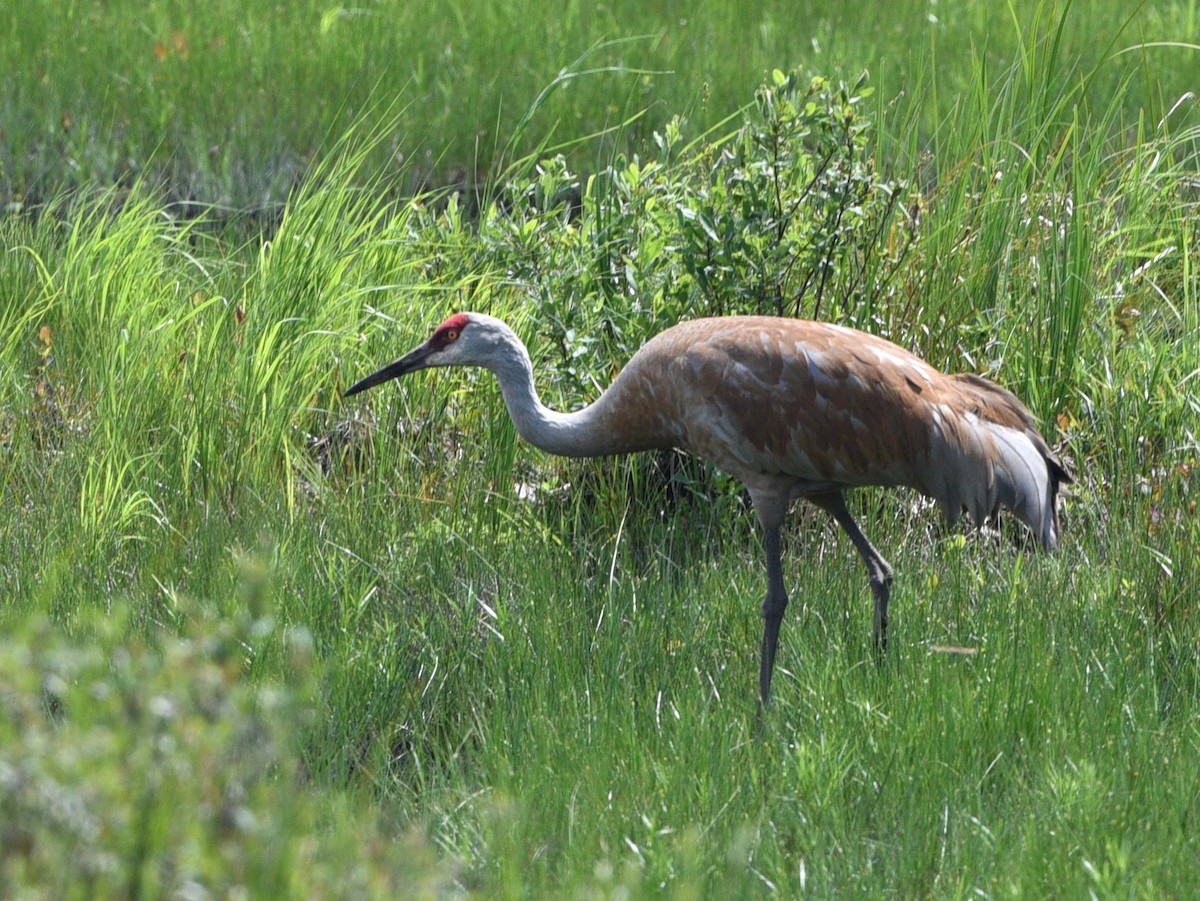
(579, 434)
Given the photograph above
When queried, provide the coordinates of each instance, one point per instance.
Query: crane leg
(879, 571)
(773, 608)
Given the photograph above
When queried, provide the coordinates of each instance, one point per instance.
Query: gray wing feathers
(977, 465)
(960, 475)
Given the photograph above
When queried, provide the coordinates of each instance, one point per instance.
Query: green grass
(229, 103)
(259, 639)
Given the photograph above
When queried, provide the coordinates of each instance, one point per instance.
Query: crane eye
(452, 335)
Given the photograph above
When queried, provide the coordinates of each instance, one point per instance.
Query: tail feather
(997, 457)
(1027, 481)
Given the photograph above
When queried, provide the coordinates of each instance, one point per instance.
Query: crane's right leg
(773, 608)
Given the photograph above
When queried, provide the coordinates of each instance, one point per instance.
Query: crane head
(461, 340)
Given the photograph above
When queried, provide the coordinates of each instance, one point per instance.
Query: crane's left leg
(773, 609)
(879, 571)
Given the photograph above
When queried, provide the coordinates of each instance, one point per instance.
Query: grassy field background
(260, 640)
(230, 103)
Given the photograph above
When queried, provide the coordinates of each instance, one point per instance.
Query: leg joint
(774, 606)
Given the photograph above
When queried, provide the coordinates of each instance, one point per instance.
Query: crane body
(793, 409)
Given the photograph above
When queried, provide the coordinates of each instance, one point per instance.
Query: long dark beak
(410, 362)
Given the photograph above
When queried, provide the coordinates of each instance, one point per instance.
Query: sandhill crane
(794, 409)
